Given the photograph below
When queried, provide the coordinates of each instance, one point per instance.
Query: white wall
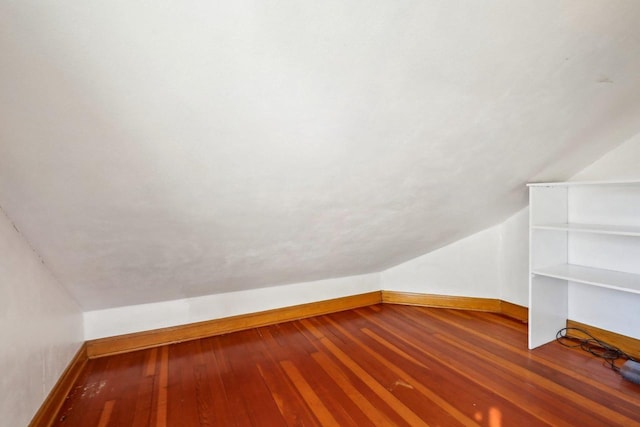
(142, 317)
(40, 328)
(490, 264)
(514, 266)
(620, 163)
(468, 267)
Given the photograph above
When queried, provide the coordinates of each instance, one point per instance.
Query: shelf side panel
(548, 305)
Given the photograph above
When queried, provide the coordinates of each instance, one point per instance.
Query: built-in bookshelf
(581, 234)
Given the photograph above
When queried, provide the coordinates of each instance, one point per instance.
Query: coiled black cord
(591, 344)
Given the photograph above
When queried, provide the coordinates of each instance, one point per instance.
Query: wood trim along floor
(443, 301)
(52, 404)
(157, 337)
(491, 305)
(514, 311)
(627, 344)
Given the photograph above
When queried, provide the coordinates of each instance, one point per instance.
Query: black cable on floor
(596, 347)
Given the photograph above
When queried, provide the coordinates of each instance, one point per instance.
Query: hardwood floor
(382, 365)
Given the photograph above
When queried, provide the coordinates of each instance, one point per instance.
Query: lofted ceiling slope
(159, 150)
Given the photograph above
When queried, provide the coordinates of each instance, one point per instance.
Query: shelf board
(577, 183)
(619, 230)
(610, 279)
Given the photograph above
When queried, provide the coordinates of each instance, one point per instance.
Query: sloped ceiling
(159, 150)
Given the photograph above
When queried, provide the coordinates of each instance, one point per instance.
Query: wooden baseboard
(627, 344)
(514, 311)
(157, 337)
(491, 305)
(442, 301)
(45, 416)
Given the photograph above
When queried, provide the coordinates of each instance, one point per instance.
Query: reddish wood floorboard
(384, 365)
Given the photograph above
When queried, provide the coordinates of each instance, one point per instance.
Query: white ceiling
(159, 150)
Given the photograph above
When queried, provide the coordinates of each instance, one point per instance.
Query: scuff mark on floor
(400, 383)
(92, 390)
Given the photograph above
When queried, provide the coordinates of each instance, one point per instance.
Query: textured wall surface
(468, 267)
(618, 164)
(169, 150)
(40, 328)
(514, 259)
(143, 317)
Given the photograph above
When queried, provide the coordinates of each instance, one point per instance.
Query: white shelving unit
(581, 234)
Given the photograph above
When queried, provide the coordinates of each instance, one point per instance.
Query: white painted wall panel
(40, 328)
(514, 259)
(620, 163)
(142, 317)
(619, 253)
(468, 267)
(606, 309)
(606, 205)
(492, 264)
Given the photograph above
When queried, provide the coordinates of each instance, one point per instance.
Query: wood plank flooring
(383, 365)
